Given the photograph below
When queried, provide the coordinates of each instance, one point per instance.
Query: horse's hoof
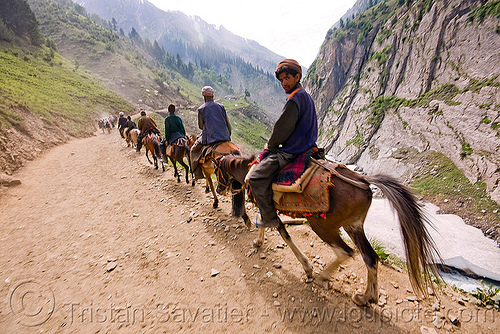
(257, 243)
(207, 190)
(248, 223)
(192, 183)
(323, 283)
(309, 279)
(359, 299)
(216, 204)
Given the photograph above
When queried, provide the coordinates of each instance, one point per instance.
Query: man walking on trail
(295, 132)
(146, 125)
(122, 123)
(174, 129)
(213, 121)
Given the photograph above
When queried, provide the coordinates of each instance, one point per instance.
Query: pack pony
(350, 198)
(176, 153)
(151, 143)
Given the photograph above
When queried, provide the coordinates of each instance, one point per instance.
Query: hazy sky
(290, 28)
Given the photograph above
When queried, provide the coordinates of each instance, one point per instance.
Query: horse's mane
(233, 162)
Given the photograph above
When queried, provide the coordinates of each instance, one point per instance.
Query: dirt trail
(95, 240)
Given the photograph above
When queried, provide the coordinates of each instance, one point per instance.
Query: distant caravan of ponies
(348, 196)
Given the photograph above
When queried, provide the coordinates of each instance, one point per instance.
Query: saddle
(309, 194)
(180, 142)
(217, 149)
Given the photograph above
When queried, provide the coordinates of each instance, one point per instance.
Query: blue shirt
(215, 126)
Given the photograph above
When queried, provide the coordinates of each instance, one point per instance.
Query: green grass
(440, 178)
(246, 126)
(52, 89)
(385, 257)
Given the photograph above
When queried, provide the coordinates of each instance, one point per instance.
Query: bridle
(222, 180)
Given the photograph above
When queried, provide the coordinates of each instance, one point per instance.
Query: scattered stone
(411, 298)
(382, 301)
(256, 266)
(383, 292)
(277, 265)
(214, 272)
(436, 306)
(275, 295)
(135, 215)
(453, 319)
(111, 266)
(280, 246)
(427, 330)
(8, 181)
(277, 303)
(251, 252)
(263, 255)
(311, 244)
(399, 301)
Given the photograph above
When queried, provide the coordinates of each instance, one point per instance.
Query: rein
(221, 179)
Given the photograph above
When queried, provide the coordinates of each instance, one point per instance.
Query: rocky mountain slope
(244, 63)
(406, 78)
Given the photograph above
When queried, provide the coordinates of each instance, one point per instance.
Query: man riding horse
(174, 129)
(146, 125)
(122, 124)
(294, 133)
(213, 121)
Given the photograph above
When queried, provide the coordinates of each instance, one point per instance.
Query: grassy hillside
(46, 84)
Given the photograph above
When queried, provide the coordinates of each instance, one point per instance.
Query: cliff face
(408, 75)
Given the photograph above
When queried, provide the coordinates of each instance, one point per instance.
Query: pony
(176, 153)
(132, 137)
(207, 166)
(151, 143)
(350, 198)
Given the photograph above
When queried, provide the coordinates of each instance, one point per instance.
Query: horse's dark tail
(238, 200)
(420, 250)
(156, 145)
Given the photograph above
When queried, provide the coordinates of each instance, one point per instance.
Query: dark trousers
(261, 180)
(139, 141)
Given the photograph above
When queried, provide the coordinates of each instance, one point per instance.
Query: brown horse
(207, 166)
(176, 153)
(151, 143)
(132, 137)
(350, 199)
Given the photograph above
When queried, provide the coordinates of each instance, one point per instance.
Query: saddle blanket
(314, 198)
(291, 172)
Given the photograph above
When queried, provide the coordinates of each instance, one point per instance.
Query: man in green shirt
(174, 129)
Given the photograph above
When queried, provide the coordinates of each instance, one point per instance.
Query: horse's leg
(155, 159)
(212, 188)
(342, 251)
(176, 172)
(147, 156)
(190, 168)
(370, 257)
(308, 268)
(260, 239)
(186, 168)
